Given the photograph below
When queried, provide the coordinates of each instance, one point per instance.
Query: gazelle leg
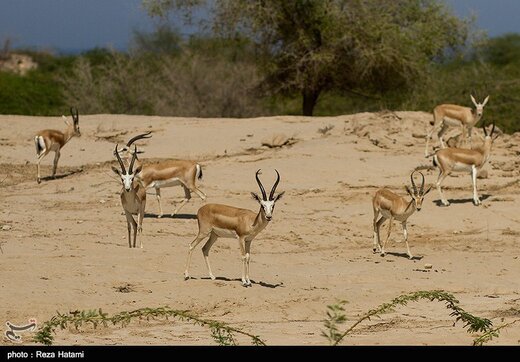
(470, 129)
(376, 231)
(193, 244)
(241, 243)
(55, 165)
(378, 227)
(441, 134)
(187, 197)
(205, 251)
(248, 260)
(476, 199)
(428, 138)
(405, 234)
(199, 193)
(131, 222)
(140, 217)
(390, 222)
(441, 178)
(40, 157)
(158, 197)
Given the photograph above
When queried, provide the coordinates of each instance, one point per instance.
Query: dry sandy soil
(65, 249)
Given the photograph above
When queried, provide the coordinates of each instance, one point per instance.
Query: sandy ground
(64, 241)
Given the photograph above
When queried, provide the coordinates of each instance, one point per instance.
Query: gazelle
(133, 196)
(166, 174)
(451, 115)
(216, 220)
(392, 206)
(52, 140)
(461, 159)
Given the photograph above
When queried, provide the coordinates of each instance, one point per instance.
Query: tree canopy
(311, 46)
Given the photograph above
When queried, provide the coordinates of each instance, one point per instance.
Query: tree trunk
(310, 98)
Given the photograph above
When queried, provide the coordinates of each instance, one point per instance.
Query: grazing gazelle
(216, 220)
(168, 173)
(52, 140)
(461, 159)
(452, 115)
(133, 197)
(392, 206)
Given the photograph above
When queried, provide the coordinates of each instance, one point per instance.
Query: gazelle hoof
(477, 202)
(212, 277)
(446, 204)
(159, 216)
(383, 254)
(39, 180)
(186, 277)
(410, 256)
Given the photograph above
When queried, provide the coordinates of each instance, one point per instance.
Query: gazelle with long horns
(216, 220)
(452, 115)
(168, 173)
(450, 159)
(394, 207)
(52, 140)
(133, 196)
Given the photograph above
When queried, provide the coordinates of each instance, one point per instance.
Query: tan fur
(134, 203)
(185, 170)
(217, 220)
(395, 207)
(449, 160)
(54, 140)
(452, 115)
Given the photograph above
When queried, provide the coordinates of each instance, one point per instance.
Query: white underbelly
(451, 122)
(387, 215)
(461, 167)
(166, 183)
(224, 233)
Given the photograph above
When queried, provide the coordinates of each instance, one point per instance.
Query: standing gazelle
(133, 196)
(452, 115)
(392, 206)
(52, 140)
(461, 159)
(167, 173)
(216, 220)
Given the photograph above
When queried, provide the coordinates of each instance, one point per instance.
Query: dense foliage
(221, 73)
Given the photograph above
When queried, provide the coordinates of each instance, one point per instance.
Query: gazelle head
(128, 149)
(418, 194)
(479, 107)
(127, 178)
(490, 135)
(75, 122)
(267, 203)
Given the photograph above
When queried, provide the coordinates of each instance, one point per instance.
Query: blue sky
(83, 24)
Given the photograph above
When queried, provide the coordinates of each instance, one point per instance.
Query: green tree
(311, 46)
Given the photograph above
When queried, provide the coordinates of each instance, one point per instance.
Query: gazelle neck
(260, 220)
(69, 133)
(410, 208)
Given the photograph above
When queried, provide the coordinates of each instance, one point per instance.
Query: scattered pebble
(6, 227)
(102, 201)
(428, 266)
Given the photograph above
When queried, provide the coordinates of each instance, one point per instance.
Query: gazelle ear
(279, 196)
(473, 100)
(485, 101)
(429, 189)
(408, 190)
(255, 196)
(138, 169)
(67, 122)
(116, 171)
